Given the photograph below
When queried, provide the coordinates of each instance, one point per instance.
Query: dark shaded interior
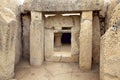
(66, 38)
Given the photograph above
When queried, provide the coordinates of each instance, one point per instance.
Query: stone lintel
(66, 5)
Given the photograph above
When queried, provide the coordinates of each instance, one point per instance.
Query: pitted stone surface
(96, 39)
(36, 39)
(8, 35)
(65, 5)
(110, 46)
(85, 53)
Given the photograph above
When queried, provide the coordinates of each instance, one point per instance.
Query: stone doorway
(62, 45)
(61, 38)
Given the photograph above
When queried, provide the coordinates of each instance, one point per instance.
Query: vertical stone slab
(85, 56)
(49, 44)
(8, 34)
(58, 42)
(75, 36)
(36, 39)
(96, 39)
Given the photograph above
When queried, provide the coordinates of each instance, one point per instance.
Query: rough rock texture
(27, 5)
(96, 39)
(85, 55)
(36, 39)
(65, 5)
(14, 6)
(107, 10)
(110, 49)
(26, 35)
(8, 35)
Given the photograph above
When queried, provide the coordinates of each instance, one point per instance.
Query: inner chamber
(62, 44)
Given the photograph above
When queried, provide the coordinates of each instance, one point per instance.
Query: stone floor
(64, 51)
(54, 71)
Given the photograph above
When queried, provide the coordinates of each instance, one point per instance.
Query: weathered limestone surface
(14, 6)
(8, 35)
(58, 42)
(49, 44)
(26, 35)
(110, 49)
(65, 5)
(36, 39)
(27, 5)
(85, 55)
(107, 10)
(75, 36)
(57, 23)
(96, 39)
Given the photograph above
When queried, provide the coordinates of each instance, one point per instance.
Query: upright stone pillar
(96, 38)
(36, 39)
(85, 56)
(58, 39)
(8, 34)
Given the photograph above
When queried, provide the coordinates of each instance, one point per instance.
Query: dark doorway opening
(66, 38)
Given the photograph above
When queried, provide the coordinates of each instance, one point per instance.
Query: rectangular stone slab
(66, 5)
(85, 57)
(36, 39)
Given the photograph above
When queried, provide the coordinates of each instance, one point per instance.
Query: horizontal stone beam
(66, 5)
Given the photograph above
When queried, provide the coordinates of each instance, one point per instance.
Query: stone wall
(110, 49)
(8, 39)
(14, 6)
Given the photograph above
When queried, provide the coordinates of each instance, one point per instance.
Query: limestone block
(18, 43)
(85, 56)
(49, 43)
(58, 21)
(110, 60)
(14, 6)
(36, 39)
(65, 5)
(75, 36)
(57, 38)
(110, 49)
(8, 35)
(96, 39)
